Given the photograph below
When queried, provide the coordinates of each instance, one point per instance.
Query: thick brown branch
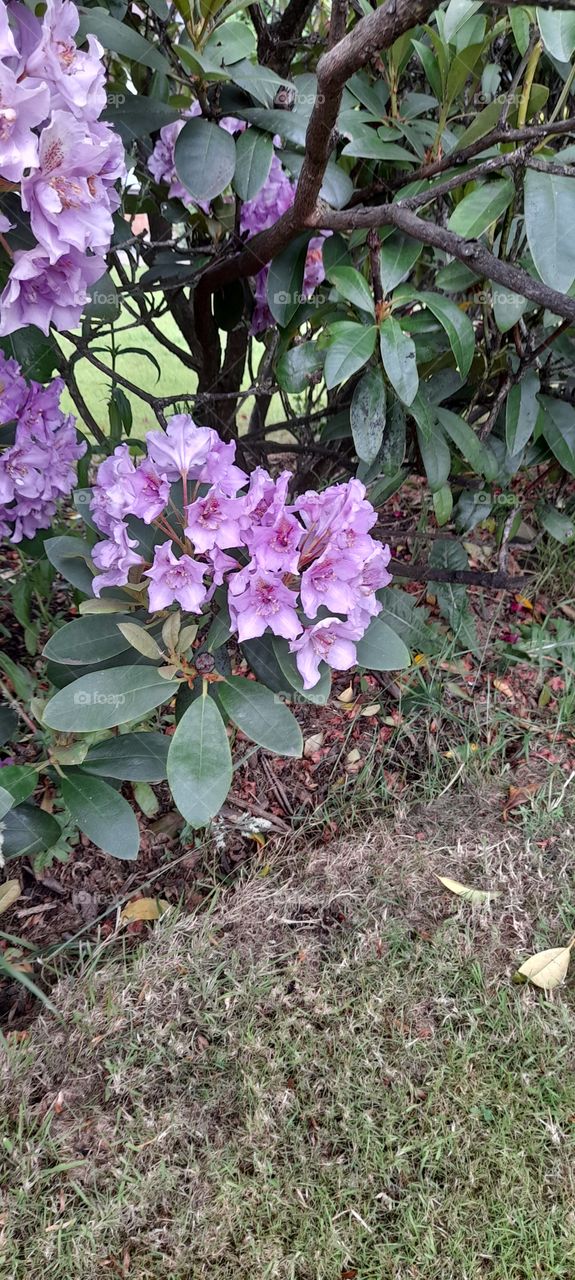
(475, 255)
(462, 577)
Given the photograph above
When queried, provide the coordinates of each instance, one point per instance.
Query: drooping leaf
(452, 597)
(558, 428)
(436, 457)
(398, 256)
(368, 415)
(254, 154)
(101, 813)
(261, 716)
(549, 201)
(458, 328)
(521, 412)
(476, 453)
(399, 360)
(72, 558)
(200, 763)
(285, 280)
(107, 698)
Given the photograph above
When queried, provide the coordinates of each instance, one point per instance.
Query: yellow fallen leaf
(347, 695)
(144, 909)
(524, 602)
(503, 687)
(10, 891)
(466, 892)
(546, 969)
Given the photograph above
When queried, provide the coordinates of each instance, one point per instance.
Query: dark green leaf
(87, 640)
(350, 348)
(205, 159)
(297, 369)
(132, 757)
(352, 286)
(17, 782)
(398, 255)
(72, 558)
(558, 428)
(200, 763)
(27, 831)
(521, 412)
(458, 328)
(101, 813)
(399, 360)
(261, 716)
(108, 698)
(121, 38)
(285, 280)
(436, 457)
(8, 725)
(475, 452)
(254, 154)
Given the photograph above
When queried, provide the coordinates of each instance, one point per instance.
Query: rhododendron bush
(357, 221)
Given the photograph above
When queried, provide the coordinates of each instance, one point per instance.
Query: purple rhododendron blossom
(42, 292)
(66, 197)
(259, 600)
(115, 557)
(76, 79)
(307, 558)
(329, 640)
(183, 449)
(39, 467)
(23, 106)
(330, 583)
(174, 579)
(213, 521)
(7, 43)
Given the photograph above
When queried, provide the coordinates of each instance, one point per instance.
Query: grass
(329, 1073)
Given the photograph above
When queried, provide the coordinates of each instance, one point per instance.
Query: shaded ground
(327, 1075)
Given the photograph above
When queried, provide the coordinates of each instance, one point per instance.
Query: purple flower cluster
(276, 197)
(306, 570)
(63, 160)
(39, 467)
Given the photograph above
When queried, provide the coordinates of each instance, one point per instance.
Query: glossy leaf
(254, 154)
(101, 813)
(132, 757)
(205, 159)
(261, 716)
(107, 698)
(399, 360)
(200, 763)
(87, 640)
(27, 830)
(476, 212)
(351, 347)
(352, 286)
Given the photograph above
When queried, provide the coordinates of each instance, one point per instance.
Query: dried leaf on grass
(546, 969)
(466, 892)
(10, 891)
(144, 909)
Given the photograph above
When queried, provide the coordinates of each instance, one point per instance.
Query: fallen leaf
(518, 796)
(144, 909)
(312, 744)
(524, 602)
(10, 891)
(353, 756)
(503, 687)
(347, 695)
(465, 891)
(372, 710)
(546, 969)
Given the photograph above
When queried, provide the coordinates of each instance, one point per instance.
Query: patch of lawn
(330, 1073)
